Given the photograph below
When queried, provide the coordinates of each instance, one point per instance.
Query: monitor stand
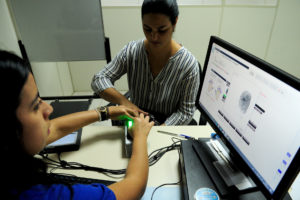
(225, 175)
(195, 175)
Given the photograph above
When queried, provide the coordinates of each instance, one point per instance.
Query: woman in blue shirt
(26, 130)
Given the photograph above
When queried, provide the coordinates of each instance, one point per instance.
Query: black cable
(156, 155)
(62, 164)
(153, 157)
(174, 144)
(162, 186)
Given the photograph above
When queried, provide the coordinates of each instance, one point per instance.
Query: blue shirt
(60, 191)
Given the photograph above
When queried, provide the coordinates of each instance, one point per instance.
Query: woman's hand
(134, 107)
(141, 126)
(116, 112)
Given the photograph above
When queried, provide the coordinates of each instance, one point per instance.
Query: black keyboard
(71, 179)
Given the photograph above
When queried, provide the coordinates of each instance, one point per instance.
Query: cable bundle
(153, 157)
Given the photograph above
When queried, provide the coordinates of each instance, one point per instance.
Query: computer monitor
(255, 108)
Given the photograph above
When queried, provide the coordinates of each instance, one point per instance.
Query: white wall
(53, 79)
(119, 33)
(8, 38)
(284, 48)
(269, 32)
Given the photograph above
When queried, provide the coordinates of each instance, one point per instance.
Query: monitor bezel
(64, 147)
(294, 167)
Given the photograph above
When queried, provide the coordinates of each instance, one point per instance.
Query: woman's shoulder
(187, 53)
(182, 51)
(187, 62)
(184, 54)
(133, 48)
(135, 44)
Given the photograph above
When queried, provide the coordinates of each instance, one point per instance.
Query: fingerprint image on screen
(244, 102)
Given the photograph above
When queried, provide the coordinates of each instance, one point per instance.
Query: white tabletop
(103, 146)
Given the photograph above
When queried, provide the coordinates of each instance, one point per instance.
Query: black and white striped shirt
(172, 92)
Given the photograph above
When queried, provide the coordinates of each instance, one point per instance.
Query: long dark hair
(166, 7)
(22, 170)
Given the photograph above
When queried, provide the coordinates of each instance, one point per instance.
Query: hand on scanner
(121, 112)
(141, 124)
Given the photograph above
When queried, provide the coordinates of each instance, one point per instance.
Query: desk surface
(103, 146)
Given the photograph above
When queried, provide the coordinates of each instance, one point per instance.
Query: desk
(103, 146)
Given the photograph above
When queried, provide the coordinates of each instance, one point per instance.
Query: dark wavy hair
(166, 7)
(23, 170)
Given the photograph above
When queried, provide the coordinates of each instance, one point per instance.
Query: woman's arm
(105, 79)
(66, 124)
(103, 82)
(135, 181)
(114, 96)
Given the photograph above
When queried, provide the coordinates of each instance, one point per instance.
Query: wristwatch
(103, 113)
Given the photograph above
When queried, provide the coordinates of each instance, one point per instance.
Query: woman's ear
(175, 24)
(176, 20)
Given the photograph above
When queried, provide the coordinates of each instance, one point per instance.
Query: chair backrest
(202, 120)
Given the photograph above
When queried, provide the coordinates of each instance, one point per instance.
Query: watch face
(103, 113)
(103, 109)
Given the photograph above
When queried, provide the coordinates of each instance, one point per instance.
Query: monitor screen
(70, 142)
(255, 108)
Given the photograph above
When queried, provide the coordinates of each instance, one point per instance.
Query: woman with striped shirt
(163, 76)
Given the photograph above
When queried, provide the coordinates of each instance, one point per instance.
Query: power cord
(62, 164)
(162, 186)
(165, 184)
(153, 157)
(156, 155)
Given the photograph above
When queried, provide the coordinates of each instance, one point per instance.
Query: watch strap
(103, 113)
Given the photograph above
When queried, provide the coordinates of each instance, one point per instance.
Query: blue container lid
(206, 194)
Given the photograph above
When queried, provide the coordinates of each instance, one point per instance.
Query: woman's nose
(48, 110)
(154, 36)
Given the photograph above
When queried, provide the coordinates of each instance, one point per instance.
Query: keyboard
(71, 179)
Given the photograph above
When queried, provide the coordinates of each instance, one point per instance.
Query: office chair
(202, 120)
